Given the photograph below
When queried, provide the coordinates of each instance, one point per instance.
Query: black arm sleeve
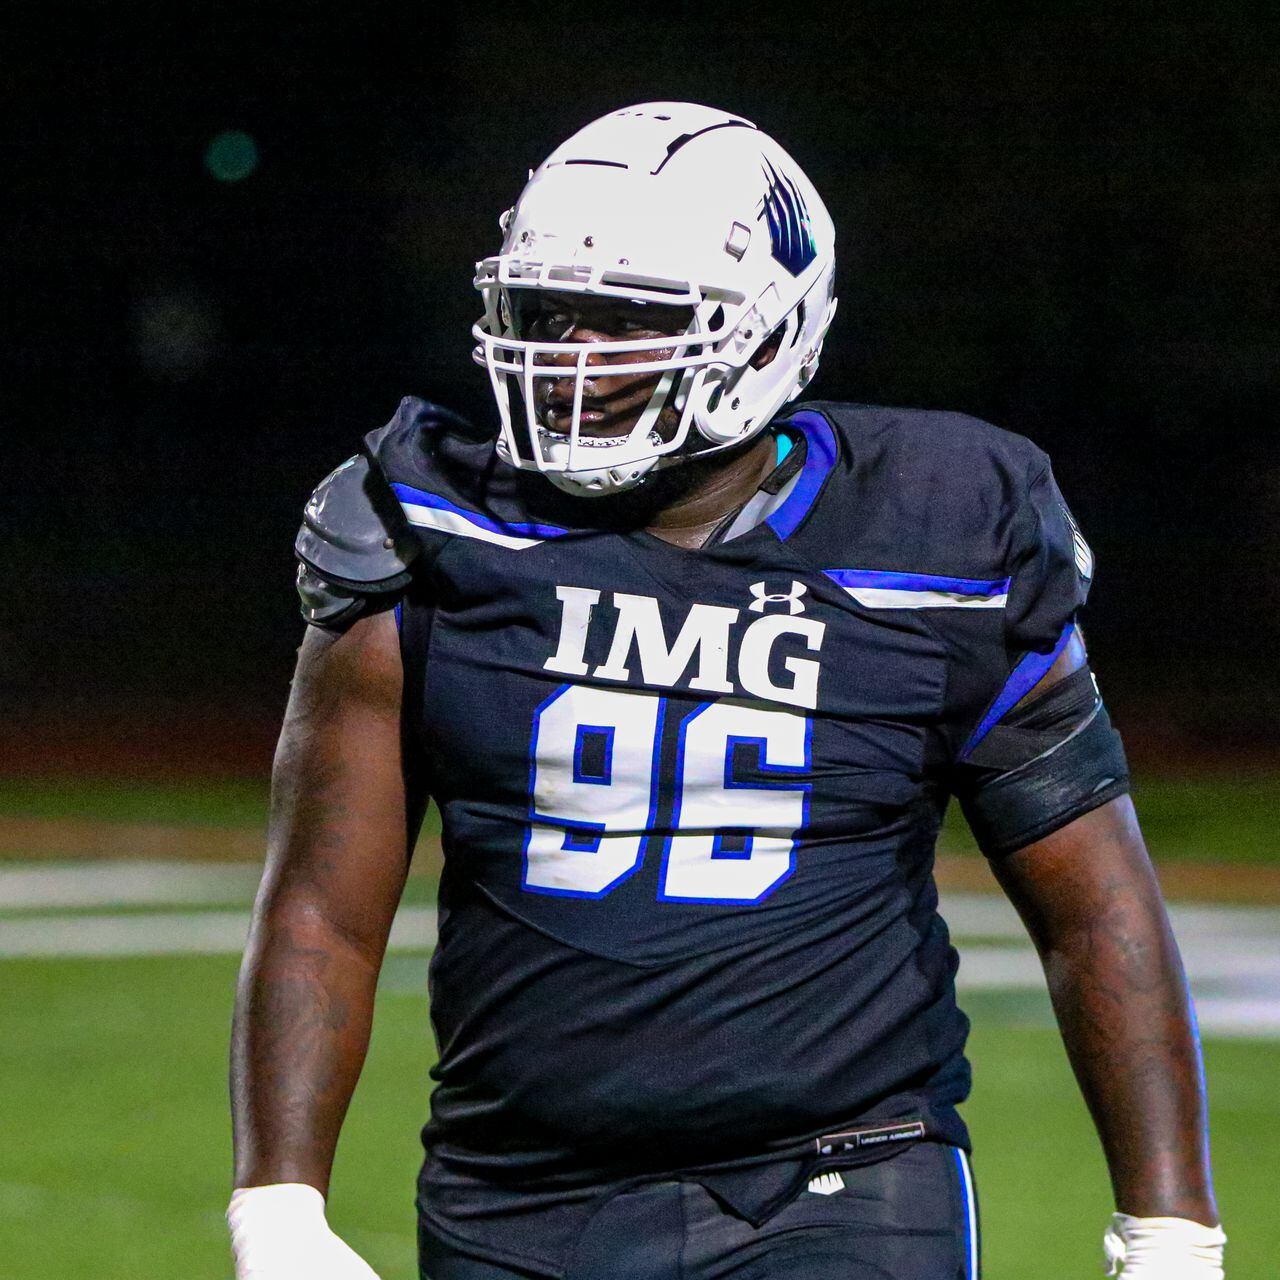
(1052, 759)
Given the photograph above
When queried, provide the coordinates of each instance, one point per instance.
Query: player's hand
(280, 1233)
(1162, 1249)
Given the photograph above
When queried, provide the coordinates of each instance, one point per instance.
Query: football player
(692, 677)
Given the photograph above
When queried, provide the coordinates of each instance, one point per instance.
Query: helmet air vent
(739, 238)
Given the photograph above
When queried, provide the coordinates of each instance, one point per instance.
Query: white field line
(1232, 957)
(66, 885)
(1232, 954)
(125, 884)
(168, 933)
(989, 915)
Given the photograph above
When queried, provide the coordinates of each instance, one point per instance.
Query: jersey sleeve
(1050, 569)
(1030, 765)
(1042, 568)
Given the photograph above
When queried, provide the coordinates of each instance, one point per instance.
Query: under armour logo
(790, 598)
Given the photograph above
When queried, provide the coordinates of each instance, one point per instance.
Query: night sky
(237, 247)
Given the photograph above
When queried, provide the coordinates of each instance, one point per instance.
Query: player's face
(611, 403)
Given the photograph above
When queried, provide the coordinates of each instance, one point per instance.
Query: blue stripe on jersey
(891, 580)
(421, 498)
(1031, 669)
(967, 1208)
(820, 457)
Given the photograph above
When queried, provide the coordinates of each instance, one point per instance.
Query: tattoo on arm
(1093, 907)
(337, 856)
(303, 1019)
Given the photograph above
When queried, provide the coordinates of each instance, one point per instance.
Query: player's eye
(557, 325)
(549, 326)
(658, 321)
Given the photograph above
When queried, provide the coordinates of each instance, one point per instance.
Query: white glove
(280, 1233)
(1162, 1249)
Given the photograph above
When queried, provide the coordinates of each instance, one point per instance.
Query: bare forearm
(1120, 995)
(1093, 907)
(338, 852)
(303, 1014)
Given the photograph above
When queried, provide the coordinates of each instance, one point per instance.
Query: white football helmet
(672, 203)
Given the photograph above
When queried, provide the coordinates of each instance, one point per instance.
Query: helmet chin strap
(601, 482)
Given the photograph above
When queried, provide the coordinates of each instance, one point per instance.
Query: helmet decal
(789, 229)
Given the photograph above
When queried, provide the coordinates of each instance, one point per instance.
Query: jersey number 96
(597, 789)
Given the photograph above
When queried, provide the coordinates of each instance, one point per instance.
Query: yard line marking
(168, 933)
(139, 882)
(998, 969)
(1232, 954)
(1245, 1017)
(126, 884)
(990, 915)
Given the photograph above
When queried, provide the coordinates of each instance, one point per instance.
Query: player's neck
(718, 486)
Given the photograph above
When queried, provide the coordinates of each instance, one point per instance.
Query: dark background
(1067, 225)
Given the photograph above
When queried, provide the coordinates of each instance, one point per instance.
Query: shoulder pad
(354, 543)
(324, 604)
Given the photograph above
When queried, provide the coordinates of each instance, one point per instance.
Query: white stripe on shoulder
(455, 522)
(888, 598)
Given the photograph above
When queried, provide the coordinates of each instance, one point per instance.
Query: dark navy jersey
(690, 799)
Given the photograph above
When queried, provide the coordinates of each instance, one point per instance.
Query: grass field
(114, 1139)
